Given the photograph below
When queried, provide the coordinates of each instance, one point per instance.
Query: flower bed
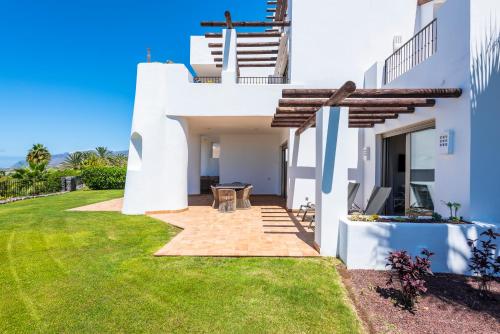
(405, 219)
(451, 305)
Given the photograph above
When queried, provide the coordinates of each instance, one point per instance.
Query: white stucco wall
(301, 168)
(461, 176)
(485, 110)
(333, 41)
(253, 159)
(365, 245)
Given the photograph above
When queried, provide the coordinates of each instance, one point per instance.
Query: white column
(229, 61)
(336, 152)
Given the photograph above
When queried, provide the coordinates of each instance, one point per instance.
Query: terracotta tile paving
(111, 205)
(267, 229)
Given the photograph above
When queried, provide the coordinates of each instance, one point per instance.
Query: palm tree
(74, 160)
(33, 173)
(38, 154)
(103, 152)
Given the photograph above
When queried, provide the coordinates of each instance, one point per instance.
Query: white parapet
(365, 245)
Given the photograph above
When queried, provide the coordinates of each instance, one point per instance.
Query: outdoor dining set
(228, 197)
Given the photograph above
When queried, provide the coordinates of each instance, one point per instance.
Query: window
(215, 150)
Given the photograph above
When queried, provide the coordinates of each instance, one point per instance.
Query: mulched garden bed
(450, 306)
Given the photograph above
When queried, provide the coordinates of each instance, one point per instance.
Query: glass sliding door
(408, 169)
(422, 166)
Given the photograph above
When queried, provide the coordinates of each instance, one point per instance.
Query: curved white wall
(160, 182)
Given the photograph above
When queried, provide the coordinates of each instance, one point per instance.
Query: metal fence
(207, 80)
(422, 46)
(20, 188)
(263, 80)
(12, 188)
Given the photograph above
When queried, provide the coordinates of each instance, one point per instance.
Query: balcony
(269, 80)
(419, 48)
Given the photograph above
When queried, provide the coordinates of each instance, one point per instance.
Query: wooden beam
(245, 24)
(247, 45)
(367, 120)
(359, 102)
(258, 34)
(257, 52)
(382, 110)
(229, 21)
(250, 59)
(342, 93)
(248, 52)
(296, 110)
(272, 30)
(256, 45)
(373, 116)
(272, 2)
(377, 93)
(253, 65)
(294, 115)
(271, 10)
(258, 59)
(258, 65)
(355, 125)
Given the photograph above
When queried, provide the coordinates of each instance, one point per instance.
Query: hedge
(100, 178)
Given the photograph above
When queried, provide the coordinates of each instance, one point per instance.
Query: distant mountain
(56, 161)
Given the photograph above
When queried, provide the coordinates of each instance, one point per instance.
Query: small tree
(409, 273)
(483, 262)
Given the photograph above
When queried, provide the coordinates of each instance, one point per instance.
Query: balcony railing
(421, 47)
(207, 80)
(263, 80)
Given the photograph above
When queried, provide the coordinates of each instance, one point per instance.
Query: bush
(409, 273)
(54, 178)
(100, 178)
(483, 263)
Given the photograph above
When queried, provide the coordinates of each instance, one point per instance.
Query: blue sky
(67, 68)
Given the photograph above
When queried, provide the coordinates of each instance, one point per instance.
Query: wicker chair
(215, 203)
(227, 200)
(243, 198)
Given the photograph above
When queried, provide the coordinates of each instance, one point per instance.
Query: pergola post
(229, 62)
(336, 154)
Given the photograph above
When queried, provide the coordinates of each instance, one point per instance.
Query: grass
(74, 272)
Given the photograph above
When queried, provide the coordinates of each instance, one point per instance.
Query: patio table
(239, 188)
(231, 186)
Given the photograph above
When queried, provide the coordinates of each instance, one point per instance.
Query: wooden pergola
(367, 107)
(270, 49)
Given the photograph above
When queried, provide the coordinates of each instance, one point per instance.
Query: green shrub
(54, 178)
(99, 178)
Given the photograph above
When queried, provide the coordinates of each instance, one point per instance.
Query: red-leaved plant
(483, 263)
(410, 274)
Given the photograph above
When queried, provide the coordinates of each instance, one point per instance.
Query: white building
(180, 120)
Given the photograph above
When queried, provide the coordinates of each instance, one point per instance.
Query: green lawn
(76, 272)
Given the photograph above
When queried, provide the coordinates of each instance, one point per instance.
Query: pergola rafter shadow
(367, 107)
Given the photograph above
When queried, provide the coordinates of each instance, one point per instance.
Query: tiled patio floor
(266, 229)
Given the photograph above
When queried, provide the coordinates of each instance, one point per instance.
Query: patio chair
(215, 203)
(305, 208)
(227, 200)
(243, 198)
(377, 200)
(352, 191)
